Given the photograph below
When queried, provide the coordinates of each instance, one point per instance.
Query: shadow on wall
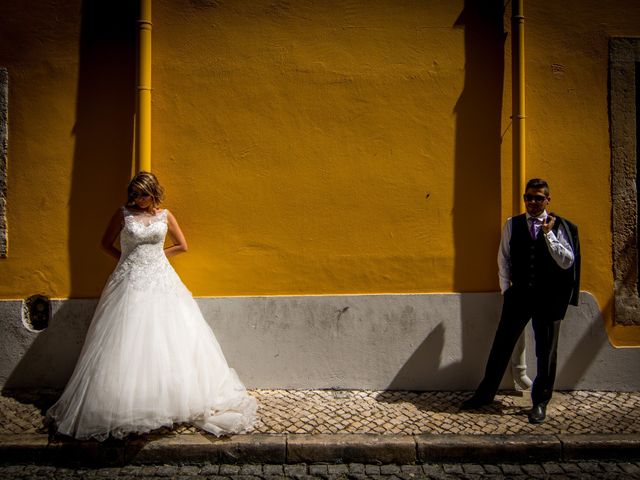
(103, 134)
(477, 186)
(582, 357)
(477, 202)
(51, 354)
(477, 181)
(439, 363)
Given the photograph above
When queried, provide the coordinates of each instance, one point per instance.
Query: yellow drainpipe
(518, 117)
(519, 356)
(142, 138)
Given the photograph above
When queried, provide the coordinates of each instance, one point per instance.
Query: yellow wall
(306, 147)
(308, 139)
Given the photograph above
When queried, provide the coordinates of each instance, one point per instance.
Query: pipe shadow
(477, 189)
(103, 136)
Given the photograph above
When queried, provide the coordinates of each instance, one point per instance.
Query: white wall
(416, 342)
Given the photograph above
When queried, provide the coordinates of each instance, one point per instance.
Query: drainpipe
(518, 118)
(519, 357)
(142, 136)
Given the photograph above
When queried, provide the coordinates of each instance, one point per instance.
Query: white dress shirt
(559, 248)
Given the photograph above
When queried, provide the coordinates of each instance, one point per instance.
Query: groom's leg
(513, 319)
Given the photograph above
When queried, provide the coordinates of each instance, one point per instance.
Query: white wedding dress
(150, 359)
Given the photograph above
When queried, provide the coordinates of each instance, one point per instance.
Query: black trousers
(517, 309)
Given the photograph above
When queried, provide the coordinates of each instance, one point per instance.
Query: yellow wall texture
(306, 147)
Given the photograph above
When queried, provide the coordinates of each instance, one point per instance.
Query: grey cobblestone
(372, 469)
(169, 470)
(108, 472)
(611, 468)
(295, 470)
(411, 469)
(188, 470)
(492, 469)
(452, 468)
(473, 469)
(589, 467)
(552, 468)
(570, 468)
(533, 469)
(131, 469)
(467, 471)
(229, 469)
(509, 469)
(337, 469)
(273, 470)
(389, 469)
(432, 470)
(151, 470)
(318, 470)
(390, 412)
(630, 468)
(255, 470)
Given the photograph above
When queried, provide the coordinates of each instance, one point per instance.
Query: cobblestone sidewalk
(390, 412)
(353, 471)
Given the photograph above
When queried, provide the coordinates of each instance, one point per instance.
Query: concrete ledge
(258, 448)
(613, 446)
(24, 448)
(89, 452)
(479, 448)
(351, 448)
(329, 448)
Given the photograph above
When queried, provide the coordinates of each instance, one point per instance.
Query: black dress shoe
(474, 403)
(538, 413)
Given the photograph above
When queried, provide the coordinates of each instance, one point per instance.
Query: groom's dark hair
(538, 183)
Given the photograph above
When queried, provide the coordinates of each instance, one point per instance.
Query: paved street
(547, 470)
(391, 412)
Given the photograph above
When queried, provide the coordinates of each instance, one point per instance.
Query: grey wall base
(414, 342)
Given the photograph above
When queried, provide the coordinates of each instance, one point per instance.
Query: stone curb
(321, 448)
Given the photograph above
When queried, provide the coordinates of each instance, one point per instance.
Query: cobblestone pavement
(391, 412)
(547, 470)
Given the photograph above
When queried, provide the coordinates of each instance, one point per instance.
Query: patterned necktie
(532, 230)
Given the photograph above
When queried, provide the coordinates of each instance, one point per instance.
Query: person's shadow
(476, 215)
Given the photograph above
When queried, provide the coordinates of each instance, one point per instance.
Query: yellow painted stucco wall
(306, 147)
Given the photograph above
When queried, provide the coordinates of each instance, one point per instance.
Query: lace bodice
(143, 260)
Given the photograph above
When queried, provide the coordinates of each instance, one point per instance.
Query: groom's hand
(548, 223)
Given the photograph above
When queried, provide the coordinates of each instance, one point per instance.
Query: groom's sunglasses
(534, 198)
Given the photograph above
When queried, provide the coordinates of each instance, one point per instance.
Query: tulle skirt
(150, 360)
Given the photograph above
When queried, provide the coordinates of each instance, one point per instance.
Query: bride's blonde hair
(147, 183)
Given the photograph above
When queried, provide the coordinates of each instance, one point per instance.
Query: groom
(539, 266)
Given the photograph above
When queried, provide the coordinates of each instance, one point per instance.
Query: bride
(149, 359)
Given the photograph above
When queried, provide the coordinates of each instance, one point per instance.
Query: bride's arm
(179, 242)
(111, 233)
